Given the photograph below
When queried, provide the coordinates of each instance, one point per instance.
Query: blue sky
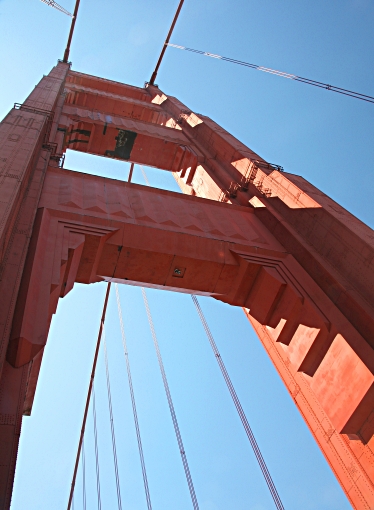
(326, 138)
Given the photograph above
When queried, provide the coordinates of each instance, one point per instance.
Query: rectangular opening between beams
(115, 169)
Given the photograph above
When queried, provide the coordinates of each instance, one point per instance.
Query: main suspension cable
(171, 405)
(154, 74)
(242, 416)
(339, 90)
(119, 500)
(96, 450)
(57, 6)
(71, 32)
(94, 363)
(140, 447)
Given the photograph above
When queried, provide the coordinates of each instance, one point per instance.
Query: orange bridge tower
(245, 232)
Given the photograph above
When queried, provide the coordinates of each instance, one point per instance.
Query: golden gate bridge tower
(245, 232)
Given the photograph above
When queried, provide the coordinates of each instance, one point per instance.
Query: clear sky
(326, 138)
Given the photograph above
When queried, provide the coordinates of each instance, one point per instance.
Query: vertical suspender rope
(171, 406)
(130, 172)
(96, 450)
(144, 175)
(112, 425)
(89, 394)
(167, 390)
(135, 414)
(84, 477)
(242, 416)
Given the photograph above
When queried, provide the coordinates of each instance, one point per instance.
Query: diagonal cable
(84, 477)
(57, 6)
(333, 88)
(242, 416)
(96, 449)
(171, 406)
(140, 447)
(144, 175)
(88, 398)
(112, 423)
(248, 430)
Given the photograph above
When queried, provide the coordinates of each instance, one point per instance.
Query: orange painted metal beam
(298, 263)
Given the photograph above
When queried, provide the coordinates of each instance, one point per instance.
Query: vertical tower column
(337, 251)
(27, 137)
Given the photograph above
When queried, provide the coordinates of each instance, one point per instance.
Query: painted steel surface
(268, 241)
(25, 150)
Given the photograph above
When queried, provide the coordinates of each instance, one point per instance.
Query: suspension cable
(84, 477)
(140, 447)
(71, 32)
(112, 424)
(242, 416)
(248, 430)
(130, 172)
(154, 74)
(339, 90)
(94, 363)
(171, 405)
(96, 450)
(144, 175)
(57, 6)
